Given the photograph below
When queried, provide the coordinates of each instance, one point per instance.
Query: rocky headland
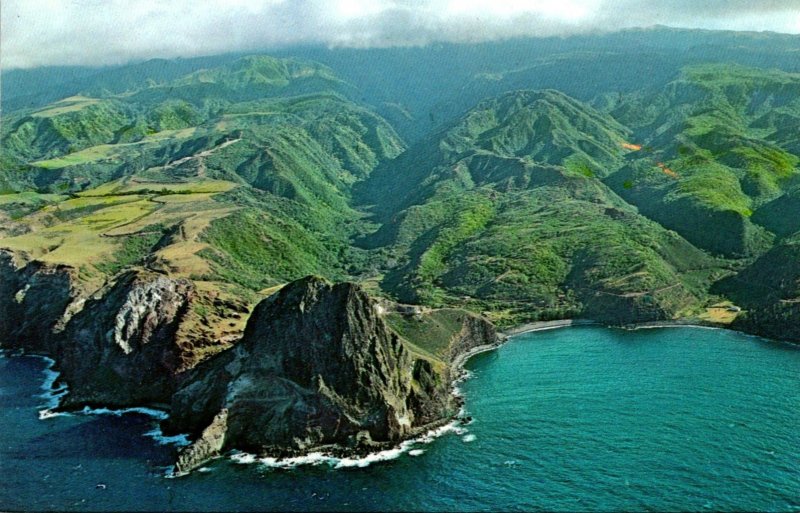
(319, 366)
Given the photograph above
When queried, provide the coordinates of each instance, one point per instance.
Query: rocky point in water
(319, 367)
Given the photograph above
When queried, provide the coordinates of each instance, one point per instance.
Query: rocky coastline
(316, 368)
(319, 366)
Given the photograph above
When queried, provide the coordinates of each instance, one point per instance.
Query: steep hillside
(780, 216)
(716, 146)
(510, 217)
(495, 141)
(159, 235)
(422, 89)
(151, 125)
(769, 290)
(238, 196)
(243, 173)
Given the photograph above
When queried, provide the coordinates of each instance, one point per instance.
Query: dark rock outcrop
(9, 285)
(120, 349)
(317, 366)
(33, 301)
(117, 348)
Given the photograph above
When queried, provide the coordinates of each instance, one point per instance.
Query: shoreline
(457, 365)
(677, 323)
(547, 325)
(341, 457)
(458, 371)
(566, 323)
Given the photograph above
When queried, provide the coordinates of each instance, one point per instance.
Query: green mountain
(629, 177)
(238, 179)
(715, 149)
(769, 290)
(159, 221)
(511, 213)
(88, 119)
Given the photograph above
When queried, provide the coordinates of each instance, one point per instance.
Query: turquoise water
(572, 419)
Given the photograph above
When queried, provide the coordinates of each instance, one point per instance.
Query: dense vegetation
(717, 131)
(512, 219)
(529, 180)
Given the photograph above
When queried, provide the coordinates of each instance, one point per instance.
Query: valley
(147, 219)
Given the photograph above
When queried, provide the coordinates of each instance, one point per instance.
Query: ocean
(580, 418)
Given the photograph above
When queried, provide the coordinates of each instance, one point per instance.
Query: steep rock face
(8, 288)
(475, 332)
(120, 349)
(209, 445)
(117, 348)
(33, 300)
(317, 366)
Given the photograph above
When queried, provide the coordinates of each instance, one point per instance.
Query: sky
(105, 32)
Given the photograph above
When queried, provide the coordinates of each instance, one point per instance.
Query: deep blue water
(571, 419)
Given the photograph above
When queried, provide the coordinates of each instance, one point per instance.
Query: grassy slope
(240, 185)
(241, 177)
(715, 150)
(510, 216)
(430, 333)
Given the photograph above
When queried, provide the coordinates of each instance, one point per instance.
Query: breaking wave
(319, 458)
(150, 412)
(51, 394)
(181, 440)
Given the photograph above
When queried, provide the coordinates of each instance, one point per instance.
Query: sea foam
(150, 412)
(319, 458)
(180, 440)
(49, 414)
(51, 394)
(243, 458)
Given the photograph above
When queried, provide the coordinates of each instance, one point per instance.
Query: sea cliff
(318, 368)
(319, 365)
(116, 346)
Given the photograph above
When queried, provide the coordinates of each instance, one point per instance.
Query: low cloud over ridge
(100, 32)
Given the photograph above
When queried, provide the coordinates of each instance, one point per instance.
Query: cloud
(101, 32)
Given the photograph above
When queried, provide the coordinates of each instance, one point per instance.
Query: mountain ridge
(155, 240)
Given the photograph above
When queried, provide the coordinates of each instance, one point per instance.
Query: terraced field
(95, 227)
(114, 153)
